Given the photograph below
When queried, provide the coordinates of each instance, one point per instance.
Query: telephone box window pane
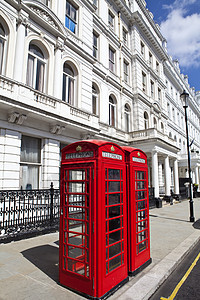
(141, 225)
(114, 263)
(141, 215)
(139, 185)
(75, 187)
(114, 211)
(114, 199)
(76, 267)
(76, 175)
(114, 250)
(75, 239)
(114, 237)
(142, 246)
(114, 224)
(140, 195)
(141, 205)
(139, 175)
(74, 252)
(76, 200)
(76, 213)
(113, 174)
(141, 236)
(114, 186)
(106, 176)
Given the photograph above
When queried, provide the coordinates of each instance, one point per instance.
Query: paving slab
(29, 268)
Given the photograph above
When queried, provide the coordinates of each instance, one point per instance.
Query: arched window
(95, 96)
(127, 111)
(2, 46)
(68, 84)
(146, 120)
(35, 68)
(112, 111)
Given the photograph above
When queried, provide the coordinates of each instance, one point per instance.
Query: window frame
(111, 19)
(112, 66)
(95, 47)
(112, 111)
(68, 77)
(68, 16)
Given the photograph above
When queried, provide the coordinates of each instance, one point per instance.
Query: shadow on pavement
(168, 218)
(45, 258)
(196, 224)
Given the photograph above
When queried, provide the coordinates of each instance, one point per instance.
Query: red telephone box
(93, 220)
(138, 210)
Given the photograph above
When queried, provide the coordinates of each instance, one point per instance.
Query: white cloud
(182, 33)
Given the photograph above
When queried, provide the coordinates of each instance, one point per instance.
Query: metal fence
(22, 211)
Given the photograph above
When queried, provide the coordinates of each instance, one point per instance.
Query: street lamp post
(184, 97)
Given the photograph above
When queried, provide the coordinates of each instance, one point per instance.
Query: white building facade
(82, 69)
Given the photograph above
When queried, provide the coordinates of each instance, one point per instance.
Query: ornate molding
(17, 118)
(57, 129)
(45, 16)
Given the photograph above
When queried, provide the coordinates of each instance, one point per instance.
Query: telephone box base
(142, 267)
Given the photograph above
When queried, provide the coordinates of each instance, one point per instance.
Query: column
(51, 163)
(19, 51)
(155, 182)
(160, 176)
(167, 177)
(57, 88)
(176, 178)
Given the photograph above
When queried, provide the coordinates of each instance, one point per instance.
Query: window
(157, 67)
(162, 127)
(35, 68)
(154, 123)
(94, 99)
(112, 111)
(2, 46)
(125, 36)
(144, 82)
(127, 117)
(159, 94)
(142, 49)
(146, 120)
(168, 110)
(30, 162)
(68, 84)
(111, 60)
(150, 60)
(71, 17)
(111, 19)
(152, 89)
(126, 71)
(95, 2)
(95, 44)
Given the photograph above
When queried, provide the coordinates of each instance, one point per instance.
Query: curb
(146, 286)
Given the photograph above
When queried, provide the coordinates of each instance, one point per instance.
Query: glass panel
(142, 246)
(140, 195)
(39, 85)
(75, 252)
(114, 224)
(30, 149)
(141, 236)
(76, 200)
(139, 174)
(114, 263)
(76, 225)
(114, 211)
(76, 267)
(141, 205)
(76, 174)
(75, 187)
(114, 237)
(141, 225)
(141, 215)
(114, 199)
(114, 186)
(114, 250)
(76, 213)
(76, 239)
(113, 174)
(139, 185)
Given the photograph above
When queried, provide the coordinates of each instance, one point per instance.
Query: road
(184, 282)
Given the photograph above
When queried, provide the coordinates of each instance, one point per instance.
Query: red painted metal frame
(97, 156)
(138, 210)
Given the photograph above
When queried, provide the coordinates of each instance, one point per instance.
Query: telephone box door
(76, 261)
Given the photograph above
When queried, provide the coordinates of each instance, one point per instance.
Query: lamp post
(184, 97)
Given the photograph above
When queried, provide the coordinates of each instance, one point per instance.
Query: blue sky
(179, 21)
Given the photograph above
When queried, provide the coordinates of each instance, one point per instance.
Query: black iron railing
(28, 210)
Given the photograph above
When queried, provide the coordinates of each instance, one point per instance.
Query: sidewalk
(29, 268)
